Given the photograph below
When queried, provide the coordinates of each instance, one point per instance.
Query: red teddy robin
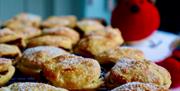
(137, 19)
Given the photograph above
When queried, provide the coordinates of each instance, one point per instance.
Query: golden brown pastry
(94, 45)
(7, 35)
(113, 34)
(27, 32)
(10, 51)
(73, 72)
(130, 70)
(30, 86)
(63, 31)
(6, 70)
(33, 59)
(21, 43)
(116, 54)
(18, 36)
(51, 40)
(138, 86)
(23, 19)
(56, 21)
(87, 26)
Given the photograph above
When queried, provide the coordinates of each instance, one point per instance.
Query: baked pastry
(6, 70)
(56, 21)
(131, 70)
(73, 72)
(63, 31)
(7, 35)
(20, 42)
(89, 25)
(93, 45)
(10, 51)
(18, 36)
(138, 86)
(113, 34)
(115, 54)
(33, 59)
(27, 32)
(23, 19)
(30, 86)
(51, 40)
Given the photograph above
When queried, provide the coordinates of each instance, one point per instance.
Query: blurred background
(170, 17)
(45, 8)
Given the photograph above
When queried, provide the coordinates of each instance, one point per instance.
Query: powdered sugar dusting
(28, 86)
(6, 31)
(49, 51)
(75, 60)
(71, 61)
(124, 63)
(137, 86)
(56, 29)
(5, 61)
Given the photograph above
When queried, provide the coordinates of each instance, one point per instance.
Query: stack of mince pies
(62, 53)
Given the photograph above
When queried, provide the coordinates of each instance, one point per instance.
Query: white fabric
(157, 46)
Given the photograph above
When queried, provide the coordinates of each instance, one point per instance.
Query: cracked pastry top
(33, 59)
(130, 70)
(73, 72)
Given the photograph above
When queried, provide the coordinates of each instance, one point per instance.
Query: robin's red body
(137, 19)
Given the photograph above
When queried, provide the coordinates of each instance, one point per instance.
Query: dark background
(170, 15)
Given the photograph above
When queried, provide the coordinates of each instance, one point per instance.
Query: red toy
(137, 19)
